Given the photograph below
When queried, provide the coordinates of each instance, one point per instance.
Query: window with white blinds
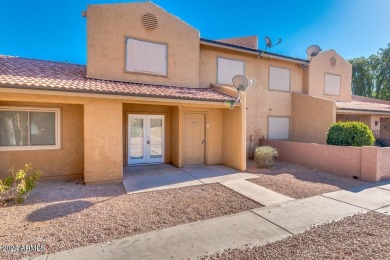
(279, 79)
(332, 84)
(227, 69)
(279, 128)
(146, 57)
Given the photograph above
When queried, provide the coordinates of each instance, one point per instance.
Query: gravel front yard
(63, 215)
(299, 182)
(364, 236)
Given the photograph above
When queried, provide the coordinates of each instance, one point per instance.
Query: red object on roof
(58, 76)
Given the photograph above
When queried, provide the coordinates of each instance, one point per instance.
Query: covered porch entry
(183, 134)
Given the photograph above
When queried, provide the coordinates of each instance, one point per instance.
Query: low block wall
(367, 163)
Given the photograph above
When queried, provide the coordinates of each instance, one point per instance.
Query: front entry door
(194, 138)
(145, 139)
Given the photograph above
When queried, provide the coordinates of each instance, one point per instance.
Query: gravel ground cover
(299, 182)
(63, 215)
(362, 236)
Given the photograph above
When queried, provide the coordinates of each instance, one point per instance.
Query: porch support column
(103, 145)
(234, 136)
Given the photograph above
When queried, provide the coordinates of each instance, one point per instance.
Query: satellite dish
(268, 42)
(241, 82)
(313, 50)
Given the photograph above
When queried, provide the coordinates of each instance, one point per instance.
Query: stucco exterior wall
(67, 161)
(260, 101)
(108, 25)
(103, 141)
(321, 64)
(233, 136)
(311, 118)
(383, 132)
(372, 121)
(176, 137)
(147, 110)
(347, 117)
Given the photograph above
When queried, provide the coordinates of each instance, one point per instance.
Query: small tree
(350, 134)
(16, 186)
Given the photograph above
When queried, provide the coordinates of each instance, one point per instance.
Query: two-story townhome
(153, 91)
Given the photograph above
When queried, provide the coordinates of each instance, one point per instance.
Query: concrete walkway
(254, 227)
(256, 192)
(166, 176)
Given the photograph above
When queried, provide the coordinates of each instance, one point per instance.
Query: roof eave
(361, 111)
(40, 88)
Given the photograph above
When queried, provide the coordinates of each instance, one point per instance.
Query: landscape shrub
(14, 188)
(265, 156)
(350, 134)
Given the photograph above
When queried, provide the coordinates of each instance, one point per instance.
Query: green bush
(350, 134)
(265, 156)
(16, 186)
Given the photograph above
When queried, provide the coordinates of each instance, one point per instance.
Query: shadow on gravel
(58, 210)
(51, 191)
(308, 175)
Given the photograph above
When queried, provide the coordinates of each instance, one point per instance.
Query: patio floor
(166, 176)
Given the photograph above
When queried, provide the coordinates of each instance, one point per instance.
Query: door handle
(148, 142)
(203, 141)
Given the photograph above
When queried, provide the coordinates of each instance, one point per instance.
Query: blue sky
(55, 30)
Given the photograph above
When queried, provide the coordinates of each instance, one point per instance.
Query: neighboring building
(153, 91)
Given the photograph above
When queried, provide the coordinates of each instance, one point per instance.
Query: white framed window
(227, 69)
(279, 79)
(332, 84)
(29, 128)
(146, 57)
(278, 128)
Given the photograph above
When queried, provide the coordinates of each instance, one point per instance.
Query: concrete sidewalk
(255, 227)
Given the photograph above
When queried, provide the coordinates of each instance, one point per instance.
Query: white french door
(145, 139)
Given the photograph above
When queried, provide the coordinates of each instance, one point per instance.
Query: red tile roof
(47, 75)
(365, 104)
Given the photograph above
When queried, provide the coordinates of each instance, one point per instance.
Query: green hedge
(350, 134)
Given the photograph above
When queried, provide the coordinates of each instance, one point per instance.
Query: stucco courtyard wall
(311, 118)
(367, 163)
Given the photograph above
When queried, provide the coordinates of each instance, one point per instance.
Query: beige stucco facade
(107, 29)
(94, 136)
(328, 62)
(94, 133)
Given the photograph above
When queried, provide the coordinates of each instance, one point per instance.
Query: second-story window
(227, 69)
(332, 84)
(146, 57)
(279, 79)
